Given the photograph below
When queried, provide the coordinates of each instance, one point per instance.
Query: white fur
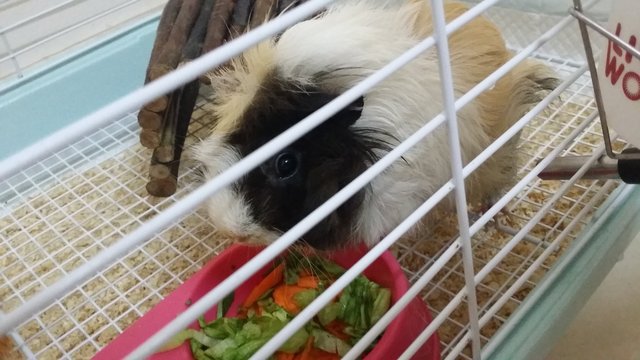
(228, 209)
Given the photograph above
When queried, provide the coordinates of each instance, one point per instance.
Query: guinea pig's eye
(286, 164)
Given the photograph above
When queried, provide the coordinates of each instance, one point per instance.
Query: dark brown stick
(217, 29)
(195, 42)
(218, 24)
(149, 120)
(161, 184)
(262, 10)
(163, 177)
(149, 138)
(285, 5)
(171, 51)
(163, 181)
(167, 19)
(240, 18)
(158, 170)
(157, 105)
(190, 51)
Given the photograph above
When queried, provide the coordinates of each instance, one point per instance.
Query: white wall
(33, 40)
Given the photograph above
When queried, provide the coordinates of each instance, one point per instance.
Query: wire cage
(85, 252)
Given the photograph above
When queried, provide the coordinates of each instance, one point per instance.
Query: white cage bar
(551, 129)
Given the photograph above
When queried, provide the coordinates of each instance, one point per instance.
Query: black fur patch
(328, 158)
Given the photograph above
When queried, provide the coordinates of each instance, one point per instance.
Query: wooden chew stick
(190, 51)
(164, 151)
(149, 120)
(163, 182)
(149, 138)
(164, 177)
(147, 117)
(262, 10)
(285, 5)
(219, 23)
(165, 162)
(170, 55)
(167, 19)
(240, 18)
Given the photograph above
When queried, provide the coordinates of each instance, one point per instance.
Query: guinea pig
(280, 81)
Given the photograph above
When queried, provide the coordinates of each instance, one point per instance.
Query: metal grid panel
(62, 211)
(36, 31)
(87, 203)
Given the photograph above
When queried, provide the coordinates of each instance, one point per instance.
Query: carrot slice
(306, 353)
(281, 355)
(283, 296)
(317, 354)
(271, 280)
(309, 282)
(336, 328)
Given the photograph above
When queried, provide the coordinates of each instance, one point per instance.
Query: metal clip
(585, 21)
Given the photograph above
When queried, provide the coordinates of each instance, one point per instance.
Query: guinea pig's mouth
(261, 238)
(301, 245)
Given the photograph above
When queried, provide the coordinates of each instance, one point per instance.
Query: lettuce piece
(304, 298)
(329, 313)
(327, 342)
(245, 351)
(178, 339)
(296, 342)
(381, 304)
(221, 347)
(204, 339)
(224, 306)
(223, 328)
(250, 331)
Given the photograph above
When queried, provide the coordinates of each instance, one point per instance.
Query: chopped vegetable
(306, 353)
(178, 339)
(329, 313)
(296, 342)
(291, 286)
(381, 304)
(305, 297)
(224, 306)
(317, 354)
(308, 281)
(284, 295)
(284, 356)
(336, 328)
(271, 280)
(327, 342)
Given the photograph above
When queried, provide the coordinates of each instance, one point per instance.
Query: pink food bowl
(385, 271)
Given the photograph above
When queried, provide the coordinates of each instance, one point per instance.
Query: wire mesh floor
(58, 214)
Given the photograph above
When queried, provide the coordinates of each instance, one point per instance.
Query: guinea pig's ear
(350, 114)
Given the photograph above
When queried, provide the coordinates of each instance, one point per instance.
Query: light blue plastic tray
(38, 104)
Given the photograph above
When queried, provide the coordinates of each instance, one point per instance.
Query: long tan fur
(478, 49)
